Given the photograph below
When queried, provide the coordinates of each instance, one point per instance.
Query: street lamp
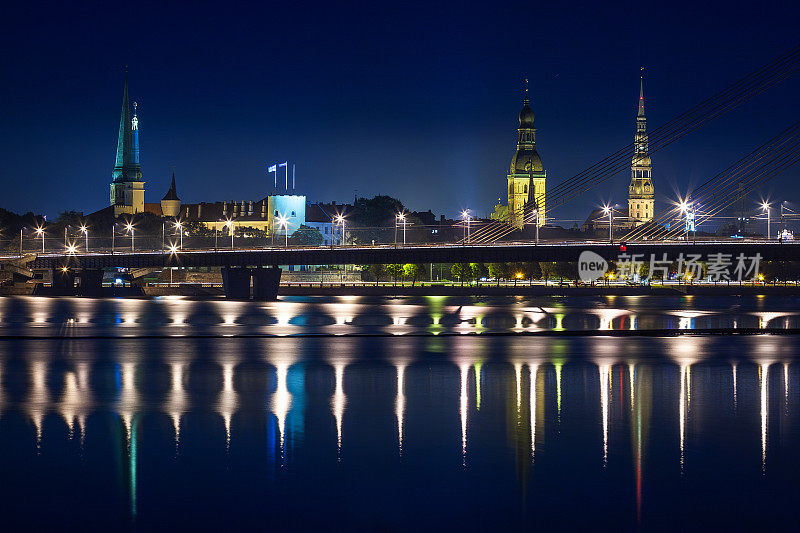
(71, 249)
(688, 210)
(229, 223)
(40, 233)
(466, 218)
(401, 217)
(130, 229)
(765, 207)
(609, 210)
(283, 222)
(85, 232)
(179, 227)
(340, 220)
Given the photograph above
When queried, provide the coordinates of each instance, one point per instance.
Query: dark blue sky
(418, 101)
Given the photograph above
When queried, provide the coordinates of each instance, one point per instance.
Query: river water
(396, 414)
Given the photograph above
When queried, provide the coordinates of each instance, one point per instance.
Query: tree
(376, 271)
(395, 271)
(478, 271)
(306, 236)
(498, 271)
(413, 271)
(461, 272)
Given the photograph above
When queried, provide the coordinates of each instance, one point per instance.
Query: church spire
(126, 165)
(527, 99)
(124, 138)
(641, 93)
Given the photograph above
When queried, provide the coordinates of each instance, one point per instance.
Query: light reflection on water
(376, 431)
(32, 316)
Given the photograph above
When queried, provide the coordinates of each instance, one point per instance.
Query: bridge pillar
(63, 282)
(265, 283)
(236, 282)
(91, 282)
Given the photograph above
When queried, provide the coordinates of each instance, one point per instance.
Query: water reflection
(32, 316)
(408, 400)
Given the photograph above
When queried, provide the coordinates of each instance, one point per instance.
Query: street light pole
(85, 231)
(537, 226)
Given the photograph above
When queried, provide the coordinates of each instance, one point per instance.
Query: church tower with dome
(526, 176)
(641, 196)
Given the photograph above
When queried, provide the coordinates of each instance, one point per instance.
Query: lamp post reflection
(763, 376)
(38, 399)
(176, 401)
(533, 368)
(400, 403)
(463, 403)
(282, 400)
(227, 401)
(604, 387)
(338, 403)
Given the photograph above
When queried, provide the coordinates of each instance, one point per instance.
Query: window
(526, 189)
(293, 214)
(276, 212)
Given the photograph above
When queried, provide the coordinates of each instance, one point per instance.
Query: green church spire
(125, 168)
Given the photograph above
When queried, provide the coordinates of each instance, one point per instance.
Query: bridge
(240, 266)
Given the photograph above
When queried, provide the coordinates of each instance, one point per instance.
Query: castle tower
(641, 196)
(127, 187)
(526, 176)
(171, 204)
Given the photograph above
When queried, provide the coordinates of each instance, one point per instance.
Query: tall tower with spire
(127, 187)
(526, 176)
(641, 195)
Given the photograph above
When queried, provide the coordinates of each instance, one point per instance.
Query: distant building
(323, 217)
(127, 186)
(641, 195)
(267, 214)
(171, 204)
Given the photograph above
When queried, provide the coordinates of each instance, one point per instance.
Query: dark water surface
(391, 433)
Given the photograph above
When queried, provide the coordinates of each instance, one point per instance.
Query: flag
(273, 168)
(284, 164)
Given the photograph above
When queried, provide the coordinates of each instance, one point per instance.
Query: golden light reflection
(786, 386)
(478, 365)
(38, 398)
(735, 385)
(765, 318)
(533, 369)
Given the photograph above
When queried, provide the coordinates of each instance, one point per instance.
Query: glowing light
(176, 401)
(464, 370)
(604, 386)
(533, 368)
(281, 402)
(735, 385)
(39, 231)
(173, 249)
(129, 226)
(682, 406)
(763, 374)
(71, 249)
(227, 402)
(338, 403)
(400, 404)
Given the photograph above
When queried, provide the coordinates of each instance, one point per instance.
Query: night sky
(418, 101)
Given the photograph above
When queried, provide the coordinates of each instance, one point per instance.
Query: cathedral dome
(526, 161)
(526, 116)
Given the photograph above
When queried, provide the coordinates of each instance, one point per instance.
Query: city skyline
(452, 134)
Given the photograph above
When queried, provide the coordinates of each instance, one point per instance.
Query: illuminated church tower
(641, 196)
(127, 187)
(526, 177)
